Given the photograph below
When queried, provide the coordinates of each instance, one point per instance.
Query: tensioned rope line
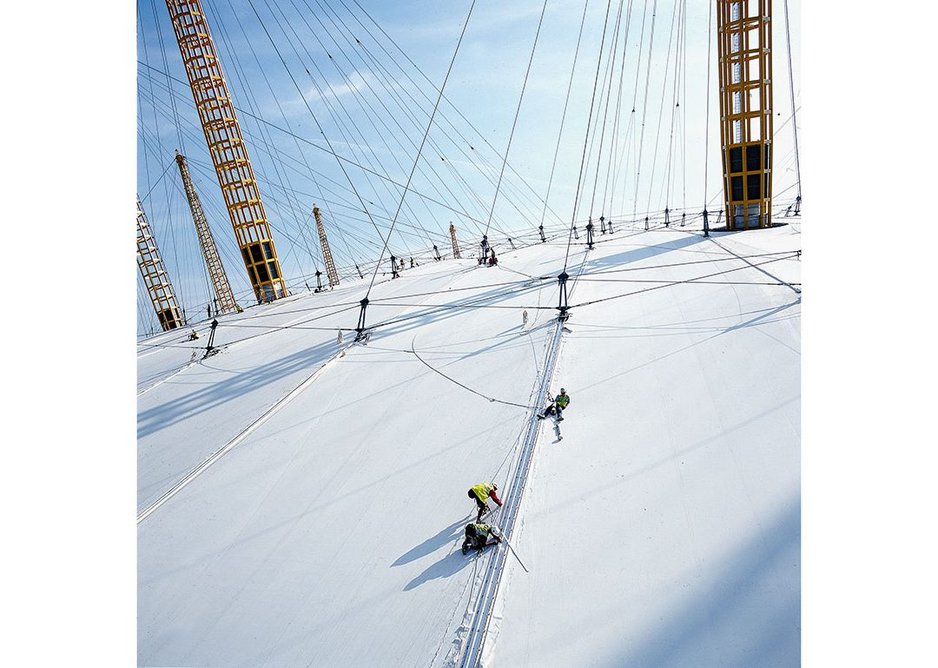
(465, 387)
(514, 123)
(429, 126)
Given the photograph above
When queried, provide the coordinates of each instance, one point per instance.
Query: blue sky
(372, 105)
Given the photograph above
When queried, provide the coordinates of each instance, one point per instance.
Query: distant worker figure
(485, 245)
(339, 338)
(194, 335)
(479, 535)
(492, 259)
(480, 494)
(524, 318)
(556, 407)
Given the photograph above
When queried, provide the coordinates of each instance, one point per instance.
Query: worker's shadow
(452, 563)
(430, 545)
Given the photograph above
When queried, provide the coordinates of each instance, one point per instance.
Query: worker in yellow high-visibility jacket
(480, 494)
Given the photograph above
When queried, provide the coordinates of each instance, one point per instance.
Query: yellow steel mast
(452, 236)
(745, 55)
(227, 148)
(224, 299)
(331, 273)
(155, 278)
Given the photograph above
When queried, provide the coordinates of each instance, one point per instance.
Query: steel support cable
(684, 113)
(456, 109)
(371, 111)
(618, 112)
(589, 121)
(514, 122)
(563, 115)
(165, 170)
(707, 115)
(791, 83)
(404, 110)
(429, 126)
(310, 174)
(159, 34)
(330, 151)
(273, 152)
(641, 142)
(408, 111)
(671, 284)
(666, 186)
(315, 119)
(261, 147)
(340, 124)
(607, 85)
(210, 172)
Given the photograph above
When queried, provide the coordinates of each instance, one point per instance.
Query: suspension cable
(514, 123)
(423, 141)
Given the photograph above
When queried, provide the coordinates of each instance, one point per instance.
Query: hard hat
(562, 391)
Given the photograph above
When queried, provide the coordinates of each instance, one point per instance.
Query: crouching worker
(480, 494)
(478, 535)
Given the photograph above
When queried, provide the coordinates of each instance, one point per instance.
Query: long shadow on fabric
(449, 565)
(450, 533)
(169, 413)
(641, 253)
(750, 616)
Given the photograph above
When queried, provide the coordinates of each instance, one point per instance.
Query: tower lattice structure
(227, 148)
(452, 235)
(745, 66)
(331, 273)
(154, 275)
(224, 299)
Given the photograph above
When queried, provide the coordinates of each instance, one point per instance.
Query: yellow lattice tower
(227, 148)
(745, 54)
(331, 273)
(225, 301)
(452, 234)
(155, 278)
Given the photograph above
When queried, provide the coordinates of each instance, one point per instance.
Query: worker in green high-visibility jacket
(478, 535)
(480, 494)
(556, 407)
